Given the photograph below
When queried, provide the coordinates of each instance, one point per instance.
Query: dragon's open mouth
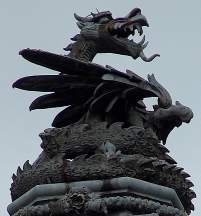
(124, 27)
(113, 34)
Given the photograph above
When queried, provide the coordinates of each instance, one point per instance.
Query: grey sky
(175, 32)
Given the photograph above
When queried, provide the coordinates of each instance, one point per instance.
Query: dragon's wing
(66, 64)
(82, 86)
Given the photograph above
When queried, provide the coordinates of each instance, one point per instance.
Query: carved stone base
(81, 153)
(119, 196)
(110, 206)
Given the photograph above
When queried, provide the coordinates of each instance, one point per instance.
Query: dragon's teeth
(139, 29)
(131, 28)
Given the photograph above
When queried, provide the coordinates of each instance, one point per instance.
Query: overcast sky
(175, 33)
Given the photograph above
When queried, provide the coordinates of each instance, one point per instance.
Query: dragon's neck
(83, 50)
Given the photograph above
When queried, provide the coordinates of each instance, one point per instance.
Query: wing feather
(69, 116)
(66, 98)
(52, 83)
(66, 64)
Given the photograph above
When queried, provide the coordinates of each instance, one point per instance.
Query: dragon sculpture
(95, 93)
(105, 128)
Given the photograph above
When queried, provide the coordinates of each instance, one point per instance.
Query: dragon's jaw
(122, 28)
(111, 35)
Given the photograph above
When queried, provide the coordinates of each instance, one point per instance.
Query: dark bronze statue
(105, 136)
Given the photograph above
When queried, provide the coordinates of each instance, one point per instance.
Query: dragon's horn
(82, 19)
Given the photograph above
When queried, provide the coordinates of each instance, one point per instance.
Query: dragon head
(101, 33)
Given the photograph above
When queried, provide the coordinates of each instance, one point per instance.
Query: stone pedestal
(118, 196)
(124, 171)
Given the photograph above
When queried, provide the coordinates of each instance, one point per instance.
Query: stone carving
(105, 131)
(99, 152)
(164, 120)
(114, 105)
(83, 203)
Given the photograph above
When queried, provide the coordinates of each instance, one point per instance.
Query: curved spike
(134, 12)
(148, 59)
(27, 166)
(163, 148)
(192, 193)
(69, 47)
(170, 159)
(142, 41)
(82, 19)
(189, 183)
(192, 207)
(185, 174)
(14, 177)
(178, 169)
(19, 171)
(76, 37)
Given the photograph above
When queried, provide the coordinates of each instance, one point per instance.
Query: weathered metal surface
(104, 134)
